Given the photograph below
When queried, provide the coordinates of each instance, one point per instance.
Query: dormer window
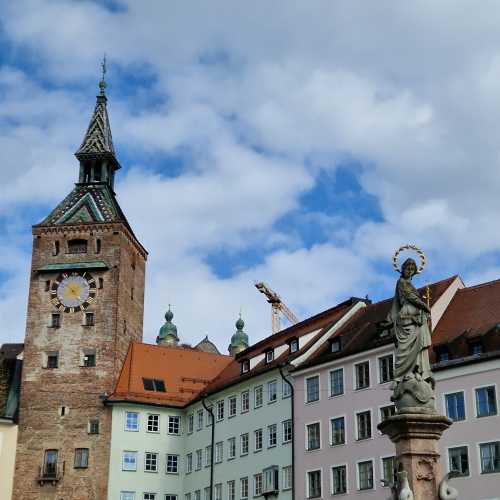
(442, 353)
(245, 366)
(294, 345)
(476, 348)
(336, 344)
(77, 246)
(270, 356)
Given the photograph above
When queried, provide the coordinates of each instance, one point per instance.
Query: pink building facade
(342, 392)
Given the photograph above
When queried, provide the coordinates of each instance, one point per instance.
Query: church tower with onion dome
(85, 306)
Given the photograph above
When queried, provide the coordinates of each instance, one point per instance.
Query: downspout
(280, 367)
(212, 451)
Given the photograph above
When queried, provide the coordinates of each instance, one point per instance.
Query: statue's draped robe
(412, 329)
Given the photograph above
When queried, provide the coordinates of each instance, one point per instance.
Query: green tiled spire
(239, 340)
(168, 332)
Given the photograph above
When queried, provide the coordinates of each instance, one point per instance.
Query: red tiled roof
(185, 372)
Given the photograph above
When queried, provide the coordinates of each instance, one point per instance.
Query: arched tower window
(56, 247)
(98, 246)
(77, 246)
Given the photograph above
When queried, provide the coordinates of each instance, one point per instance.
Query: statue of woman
(410, 316)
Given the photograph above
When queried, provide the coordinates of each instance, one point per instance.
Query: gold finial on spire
(102, 83)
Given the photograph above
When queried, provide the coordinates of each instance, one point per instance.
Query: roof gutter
(292, 397)
(212, 448)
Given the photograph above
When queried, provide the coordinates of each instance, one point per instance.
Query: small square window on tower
(52, 360)
(93, 426)
(89, 319)
(55, 320)
(89, 359)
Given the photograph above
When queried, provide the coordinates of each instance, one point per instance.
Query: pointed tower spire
(96, 154)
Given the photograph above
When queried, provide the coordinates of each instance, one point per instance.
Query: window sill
(485, 416)
(359, 390)
(490, 472)
(244, 411)
(337, 445)
(311, 403)
(286, 442)
(153, 432)
(332, 396)
(361, 440)
(232, 416)
(151, 471)
(257, 451)
(257, 407)
(272, 402)
(172, 473)
(243, 454)
(54, 327)
(313, 450)
(271, 446)
(131, 430)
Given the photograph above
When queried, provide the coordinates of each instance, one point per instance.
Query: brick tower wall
(118, 320)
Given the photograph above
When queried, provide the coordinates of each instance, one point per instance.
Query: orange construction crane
(277, 307)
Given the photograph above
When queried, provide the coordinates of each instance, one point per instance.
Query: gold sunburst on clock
(73, 292)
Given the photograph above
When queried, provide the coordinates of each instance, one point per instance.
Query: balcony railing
(49, 473)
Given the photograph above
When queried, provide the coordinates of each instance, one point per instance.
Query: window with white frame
(232, 406)
(127, 495)
(218, 491)
(258, 396)
(208, 455)
(337, 430)
(150, 461)
(149, 496)
(270, 356)
(490, 457)
(220, 410)
(294, 345)
(244, 444)
(207, 493)
(153, 423)
(388, 470)
(197, 495)
(386, 368)
(219, 451)
(231, 490)
(187, 496)
(131, 421)
(339, 480)
(272, 391)
(244, 488)
(455, 406)
(362, 371)
(81, 458)
(287, 431)
(257, 484)
(486, 402)
(286, 389)
(189, 463)
(337, 382)
(245, 401)
(287, 477)
(199, 459)
(364, 424)
(174, 424)
(129, 460)
(365, 475)
(386, 412)
(169, 496)
(459, 460)
(209, 419)
(313, 436)
(190, 423)
(257, 439)
(245, 366)
(199, 420)
(231, 448)
(272, 435)
(312, 389)
(314, 484)
(172, 464)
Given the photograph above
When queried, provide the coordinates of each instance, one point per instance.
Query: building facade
(85, 305)
(343, 392)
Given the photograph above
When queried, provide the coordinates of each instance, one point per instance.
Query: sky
(296, 143)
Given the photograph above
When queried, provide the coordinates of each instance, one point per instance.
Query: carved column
(416, 437)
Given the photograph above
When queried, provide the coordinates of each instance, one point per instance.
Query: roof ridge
(479, 285)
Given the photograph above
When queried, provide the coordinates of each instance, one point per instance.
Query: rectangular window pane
(258, 396)
(287, 477)
(455, 406)
(150, 461)
(490, 457)
(364, 422)
(388, 465)
(272, 435)
(172, 464)
(131, 421)
(129, 460)
(153, 423)
(312, 389)
(386, 369)
(365, 475)
(313, 436)
(362, 375)
(174, 424)
(314, 484)
(244, 487)
(337, 382)
(272, 391)
(486, 403)
(339, 480)
(459, 460)
(338, 430)
(81, 458)
(245, 401)
(287, 431)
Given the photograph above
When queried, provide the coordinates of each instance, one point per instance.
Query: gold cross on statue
(427, 296)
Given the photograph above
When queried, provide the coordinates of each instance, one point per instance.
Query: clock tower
(85, 306)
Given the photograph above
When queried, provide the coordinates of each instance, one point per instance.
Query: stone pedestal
(416, 436)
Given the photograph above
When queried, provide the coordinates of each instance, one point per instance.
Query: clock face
(73, 292)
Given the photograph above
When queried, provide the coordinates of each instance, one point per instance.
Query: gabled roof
(185, 372)
(362, 333)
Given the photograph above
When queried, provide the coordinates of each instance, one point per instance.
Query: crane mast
(277, 307)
